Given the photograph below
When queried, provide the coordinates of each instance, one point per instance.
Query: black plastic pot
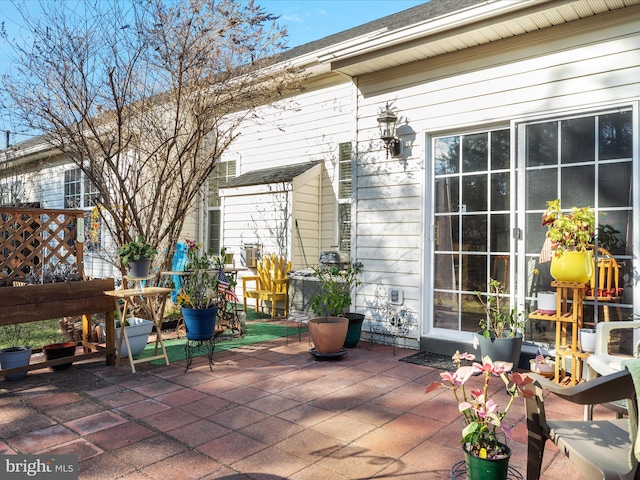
(60, 350)
(355, 329)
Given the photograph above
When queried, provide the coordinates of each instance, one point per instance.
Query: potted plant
(330, 304)
(502, 327)
(199, 296)
(571, 236)
(485, 455)
(18, 353)
(137, 255)
(54, 351)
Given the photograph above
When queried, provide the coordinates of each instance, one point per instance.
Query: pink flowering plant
(482, 418)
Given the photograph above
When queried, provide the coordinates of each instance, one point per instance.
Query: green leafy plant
(608, 239)
(500, 320)
(136, 250)
(199, 287)
(480, 412)
(571, 232)
(336, 285)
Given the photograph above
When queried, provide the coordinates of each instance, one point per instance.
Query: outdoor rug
(256, 333)
(432, 360)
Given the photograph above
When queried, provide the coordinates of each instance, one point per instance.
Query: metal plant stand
(193, 346)
(459, 472)
(395, 322)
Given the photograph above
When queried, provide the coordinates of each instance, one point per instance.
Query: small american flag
(539, 357)
(223, 286)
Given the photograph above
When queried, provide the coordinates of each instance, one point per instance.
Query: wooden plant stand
(32, 303)
(567, 313)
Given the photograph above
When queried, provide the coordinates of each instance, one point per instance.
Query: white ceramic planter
(138, 332)
(588, 340)
(547, 302)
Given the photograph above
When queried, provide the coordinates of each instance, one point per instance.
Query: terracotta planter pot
(328, 333)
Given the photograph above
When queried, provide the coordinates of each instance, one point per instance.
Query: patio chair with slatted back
(600, 449)
(604, 285)
(271, 284)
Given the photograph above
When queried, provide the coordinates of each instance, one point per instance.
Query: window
(222, 172)
(79, 192)
(583, 161)
(472, 223)
(345, 181)
(11, 193)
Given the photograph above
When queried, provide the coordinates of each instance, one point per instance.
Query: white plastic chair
(601, 362)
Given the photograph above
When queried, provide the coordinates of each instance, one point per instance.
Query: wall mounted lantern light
(387, 123)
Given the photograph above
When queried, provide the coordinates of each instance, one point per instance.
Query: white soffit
(489, 22)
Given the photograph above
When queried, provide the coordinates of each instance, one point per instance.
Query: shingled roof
(417, 14)
(270, 175)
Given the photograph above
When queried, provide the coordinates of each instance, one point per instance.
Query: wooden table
(155, 299)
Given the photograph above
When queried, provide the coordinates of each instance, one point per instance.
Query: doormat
(433, 360)
(256, 333)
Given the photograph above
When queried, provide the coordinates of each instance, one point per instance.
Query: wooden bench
(271, 284)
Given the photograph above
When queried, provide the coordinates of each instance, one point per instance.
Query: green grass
(36, 334)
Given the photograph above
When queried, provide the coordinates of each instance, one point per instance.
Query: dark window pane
(578, 140)
(471, 312)
(541, 187)
(447, 230)
(445, 313)
(474, 153)
(542, 144)
(622, 222)
(500, 233)
(446, 155)
(474, 193)
(614, 184)
(500, 193)
(536, 234)
(445, 277)
(578, 187)
(474, 273)
(447, 194)
(500, 269)
(500, 149)
(474, 233)
(616, 136)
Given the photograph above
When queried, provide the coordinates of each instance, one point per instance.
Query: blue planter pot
(200, 324)
(15, 357)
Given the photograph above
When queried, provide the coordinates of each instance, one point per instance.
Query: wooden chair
(271, 284)
(604, 284)
(601, 449)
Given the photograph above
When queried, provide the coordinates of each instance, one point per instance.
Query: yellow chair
(607, 274)
(271, 284)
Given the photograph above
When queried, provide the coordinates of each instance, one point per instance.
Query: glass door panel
(583, 161)
(471, 218)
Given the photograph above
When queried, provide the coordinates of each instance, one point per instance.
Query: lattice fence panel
(31, 238)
